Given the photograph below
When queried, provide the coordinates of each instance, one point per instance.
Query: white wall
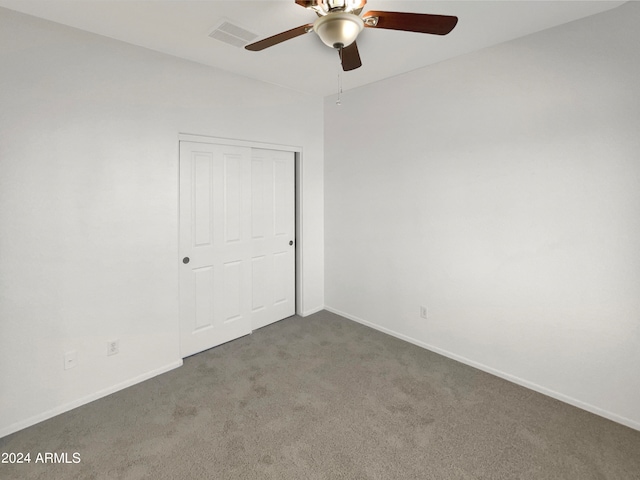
(502, 190)
(89, 200)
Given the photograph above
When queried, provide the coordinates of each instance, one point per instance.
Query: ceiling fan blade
(306, 3)
(279, 38)
(410, 22)
(350, 57)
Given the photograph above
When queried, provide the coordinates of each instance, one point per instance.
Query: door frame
(298, 166)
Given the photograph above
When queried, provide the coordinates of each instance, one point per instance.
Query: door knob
(290, 242)
(185, 260)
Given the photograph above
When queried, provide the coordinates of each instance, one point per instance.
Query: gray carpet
(325, 398)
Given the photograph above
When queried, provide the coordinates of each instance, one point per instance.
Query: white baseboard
(511, 378)
(84, 400)
(306, 313)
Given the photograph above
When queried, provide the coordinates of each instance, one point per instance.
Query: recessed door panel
(202, 198)
(258, 199)
(280, 280)
(232, 291)
(233, 197)
(204, 298)
(282, 204)
(259, 283)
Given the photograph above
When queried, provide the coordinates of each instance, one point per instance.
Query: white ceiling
(181, 28)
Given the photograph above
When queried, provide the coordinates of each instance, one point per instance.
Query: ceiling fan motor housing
(324, 7)
(339, 29)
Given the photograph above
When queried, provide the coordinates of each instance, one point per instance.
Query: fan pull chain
(339, 101)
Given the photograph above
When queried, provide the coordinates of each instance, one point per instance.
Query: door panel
(259, 199)
(214, 234)
(202, 184)
(204, 302)
(273, 183)
(280, 274)
(232, 197)
(282, 204)
(232, 291)
(259, 283)
(236, 222)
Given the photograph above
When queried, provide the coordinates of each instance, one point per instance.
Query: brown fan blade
(350, 57)
(410, 22)
(279, 38)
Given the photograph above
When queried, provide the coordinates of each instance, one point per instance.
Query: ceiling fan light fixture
(324, 7)
(338, 30)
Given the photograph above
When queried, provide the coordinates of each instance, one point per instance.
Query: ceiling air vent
(232, 34)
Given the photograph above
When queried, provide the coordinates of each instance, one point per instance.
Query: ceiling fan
(339, 24)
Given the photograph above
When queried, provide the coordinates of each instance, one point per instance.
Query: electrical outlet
(423, 312)
(70, 359)
(113, 347)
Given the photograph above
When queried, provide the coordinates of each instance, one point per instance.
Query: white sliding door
(272, 234)
(237, 269)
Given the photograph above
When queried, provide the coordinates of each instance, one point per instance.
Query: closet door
(237, 269)
(272, 234)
